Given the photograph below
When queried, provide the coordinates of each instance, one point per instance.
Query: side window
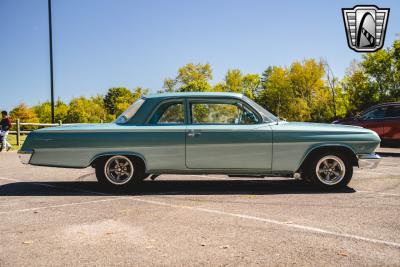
(393, 112)
(169, 113)
(221, 113)
(374, 114)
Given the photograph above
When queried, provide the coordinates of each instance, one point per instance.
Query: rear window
(130, 112)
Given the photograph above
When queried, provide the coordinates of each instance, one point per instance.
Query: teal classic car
(204, 133)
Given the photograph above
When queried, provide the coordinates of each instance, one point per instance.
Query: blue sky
(100, 44)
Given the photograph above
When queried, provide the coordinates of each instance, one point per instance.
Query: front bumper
(368, 161)
(25, 156)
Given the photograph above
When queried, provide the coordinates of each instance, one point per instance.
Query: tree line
(304, 91)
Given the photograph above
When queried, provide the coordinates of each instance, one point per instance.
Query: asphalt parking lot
(61, 217)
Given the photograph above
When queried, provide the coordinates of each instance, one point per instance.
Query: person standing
(5, 125)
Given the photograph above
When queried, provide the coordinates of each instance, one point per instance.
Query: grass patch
(12, 139)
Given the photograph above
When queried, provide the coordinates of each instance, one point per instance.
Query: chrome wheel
(118, 170)
(330, 170)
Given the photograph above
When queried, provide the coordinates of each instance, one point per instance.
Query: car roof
(383, 105)
(195, 94)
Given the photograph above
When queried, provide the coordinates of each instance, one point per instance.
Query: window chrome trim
(174, 100)
(217, 100)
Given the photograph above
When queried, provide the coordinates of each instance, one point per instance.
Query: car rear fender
(113, 153)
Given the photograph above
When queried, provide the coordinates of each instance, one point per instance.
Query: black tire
(326, 178)
(106, 178)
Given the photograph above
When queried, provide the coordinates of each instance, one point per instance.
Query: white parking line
(374, 172)
(380, 193)
(219, 212)
(64, 205)
(271, 221)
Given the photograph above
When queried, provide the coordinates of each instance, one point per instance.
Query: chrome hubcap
(330, 170)
(118, 170)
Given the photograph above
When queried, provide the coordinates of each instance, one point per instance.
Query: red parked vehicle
(384, 119)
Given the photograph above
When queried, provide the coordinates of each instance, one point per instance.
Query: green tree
(139, 92)
(382, 71)
(191, 77)
(342, 101)
(360, 91)
(298, 92)
(43, 111)
(61, 111)
(116, 99)
(396, 66)
(84, 110)
(24, 114)
(235, 81)
(375, 79)
(277, 94)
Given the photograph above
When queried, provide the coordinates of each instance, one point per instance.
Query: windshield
(267, 116)
(130, 112)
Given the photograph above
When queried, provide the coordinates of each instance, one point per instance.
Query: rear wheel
(119, 171)
(329, 170)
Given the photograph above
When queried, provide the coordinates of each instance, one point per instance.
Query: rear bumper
(368, 161)
(25, 156)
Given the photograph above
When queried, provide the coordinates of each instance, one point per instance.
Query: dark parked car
(384, 119)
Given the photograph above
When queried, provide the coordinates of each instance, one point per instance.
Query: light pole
(51, 62)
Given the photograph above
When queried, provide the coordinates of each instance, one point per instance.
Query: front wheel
(119, 171)
(329, 170)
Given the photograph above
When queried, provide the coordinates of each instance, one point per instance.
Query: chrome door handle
(193, 134)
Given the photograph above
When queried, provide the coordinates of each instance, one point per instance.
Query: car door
(165, 135)
(373, 120)
(391, 124)
(226, 134)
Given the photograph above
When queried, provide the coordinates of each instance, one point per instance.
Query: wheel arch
(330, 147)
(114, 153)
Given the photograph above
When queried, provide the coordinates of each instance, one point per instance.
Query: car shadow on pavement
(170, 187)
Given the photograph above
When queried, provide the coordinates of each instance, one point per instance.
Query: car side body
(384, 119)
(265, 146)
